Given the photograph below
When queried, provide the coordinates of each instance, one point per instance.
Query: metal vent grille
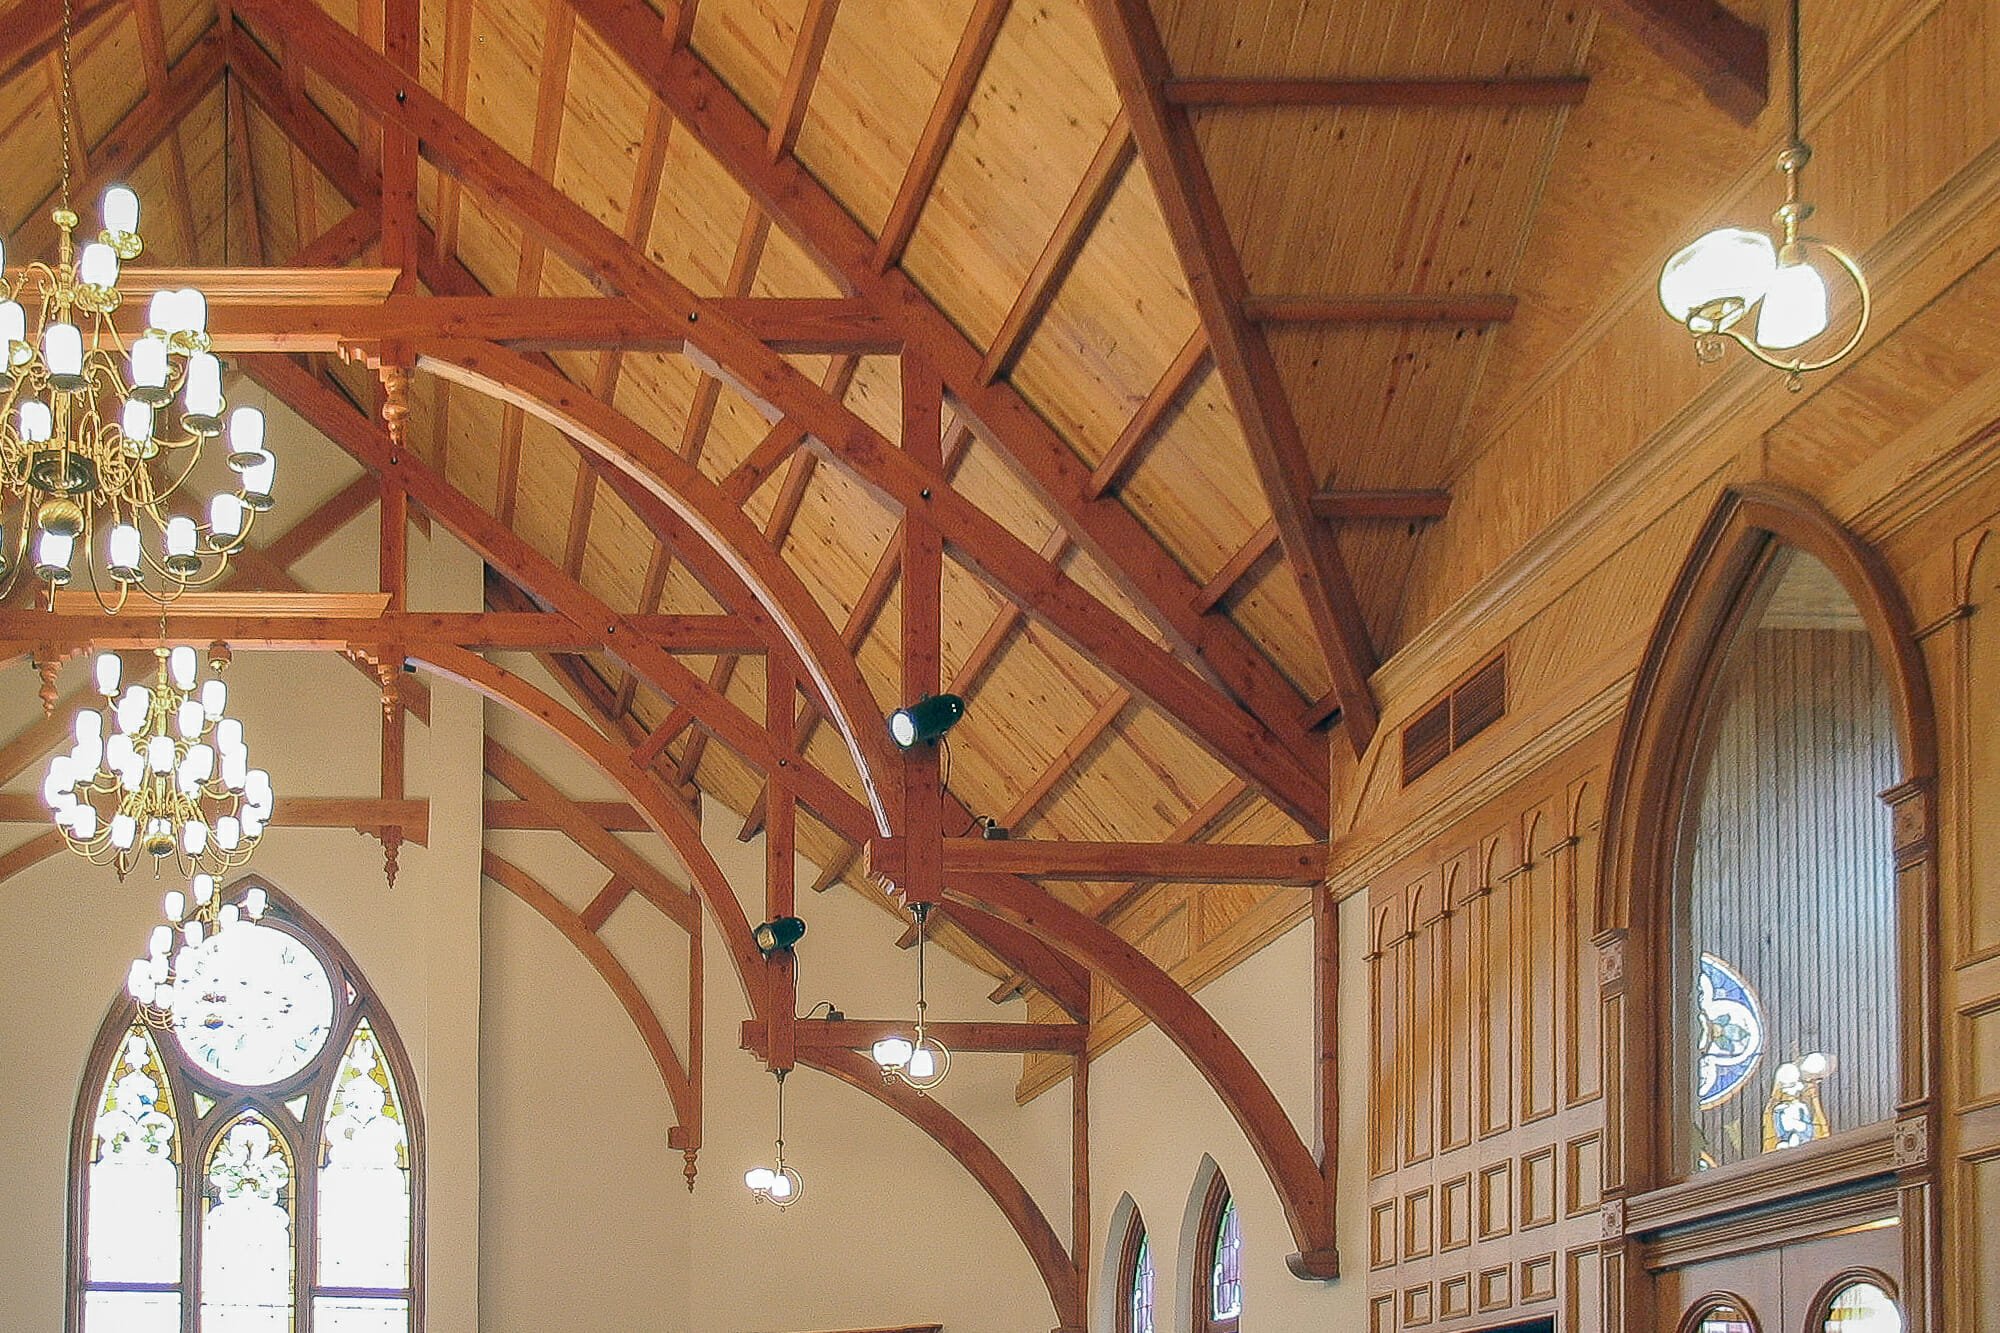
(1476, 703)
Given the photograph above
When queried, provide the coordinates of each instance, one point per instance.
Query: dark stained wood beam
(1235, 569)
(1168, 393)
(514, 773)
(1208, 255)
(1726, 57)
(1451, 309)
(1161, 862)
(808, 51)
(400, 231)
(1093, 195)
(1270, 92)
(1049, 970)
(1394, 506)
(31, 31)
(1129, 554)
(611, 816)
(266, 629)
(858, 1034)
(961, 80)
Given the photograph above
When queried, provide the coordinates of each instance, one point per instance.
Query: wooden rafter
(808, 50)
(1238, 566)
(31, 31)
(1093, 195)
(1452, 309)
(1208, 256)
(961, 80)
(1726, 57)
(1168, 394)
(1395, 506)
(858, 1034)
(1135, 559)
(890, 859)
(1267, 92)
(264, 627)
(130, 142)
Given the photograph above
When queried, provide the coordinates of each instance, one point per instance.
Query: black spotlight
(778, 933)
(925, 720)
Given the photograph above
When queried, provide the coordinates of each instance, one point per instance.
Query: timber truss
(423, 310)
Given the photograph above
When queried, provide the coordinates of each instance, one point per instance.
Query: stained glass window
(274, 1111)
(1135, 1281)
(1725, 1319)
(1219, 1262)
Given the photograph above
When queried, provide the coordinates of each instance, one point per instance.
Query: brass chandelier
(99, 442)
(1713, 285)
(195, 916)
(169, 780)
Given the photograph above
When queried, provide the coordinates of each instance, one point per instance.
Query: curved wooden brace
(667, 816)
(512, 378)
(1302, 1187)
(1051, 1259)
(680, 1090)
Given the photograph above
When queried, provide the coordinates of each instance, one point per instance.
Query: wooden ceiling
(1221, 286)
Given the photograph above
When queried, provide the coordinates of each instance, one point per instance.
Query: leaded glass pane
(257, 1006)
(132, 1311)
(1141, 1294)
(134, 1183)
(1790, 950)
(364, 1177)
(1227, 1282)
(1863, 1307)
(350, 1314)
(246, 1258)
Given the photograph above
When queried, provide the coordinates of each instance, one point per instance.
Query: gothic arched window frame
(197, 1132)
(1889, 1165)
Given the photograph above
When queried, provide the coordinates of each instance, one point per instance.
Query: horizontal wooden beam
(364, 814)
(1349, 506)
(611, 816)
(858, 1034)
(411, 631)
(1163, 862)
(1727, 57)
(1267, 92)
(1448, 309)
(260, 317)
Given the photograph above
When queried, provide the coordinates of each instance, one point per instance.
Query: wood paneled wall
(1793, 882)
(1486, 1127)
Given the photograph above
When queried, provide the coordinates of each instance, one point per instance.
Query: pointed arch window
(1135, 1281)
(1218, 1301)
(253, 1168)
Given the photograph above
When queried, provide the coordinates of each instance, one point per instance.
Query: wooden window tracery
(1135, 1312)
(1218, 1294)
(291, 1200)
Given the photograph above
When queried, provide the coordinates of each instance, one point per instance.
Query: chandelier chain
(68, 95)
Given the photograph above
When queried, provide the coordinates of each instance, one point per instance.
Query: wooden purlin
(1726, 57)
(1143, 568)
(1276, 92)
(31, 31)
(1207, 252)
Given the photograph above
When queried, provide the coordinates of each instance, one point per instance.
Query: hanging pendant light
(1713, 285)
(922, 1062)
(778, 1185)
(99, 441)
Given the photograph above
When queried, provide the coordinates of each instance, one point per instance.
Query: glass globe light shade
(160, 754)
(191, 719)
(203, 389)
(120, 210)
(246, 435)
(149, 369)
(1728, 264)
(193, 307)
(83, 821)
(36, 421)
(228, 833)
(235, 768)
(259, 475)
(123, 830)
(135, 424)
(163, 995)
(759, 1178)
(923, 1063)
(229, 916)
(781, 1187)
(214, 696)
(225, 520)
(1787, 1075)
(191, 932)
(176, 904)
(56, 793)
(180, 542)
(1815, 1065)
(162, 312)
(52, 555)
(255, 900)
(204, 888)
(110, 666)
(118, 752)
(136, 980)
(892, 1053)
(1794, 309)
(13, 323)
(97, 266)
(228, 736)
(161, 941)
(123, 561)
(194, 837)
(87, 755)
(62, 353)
(89, 725)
